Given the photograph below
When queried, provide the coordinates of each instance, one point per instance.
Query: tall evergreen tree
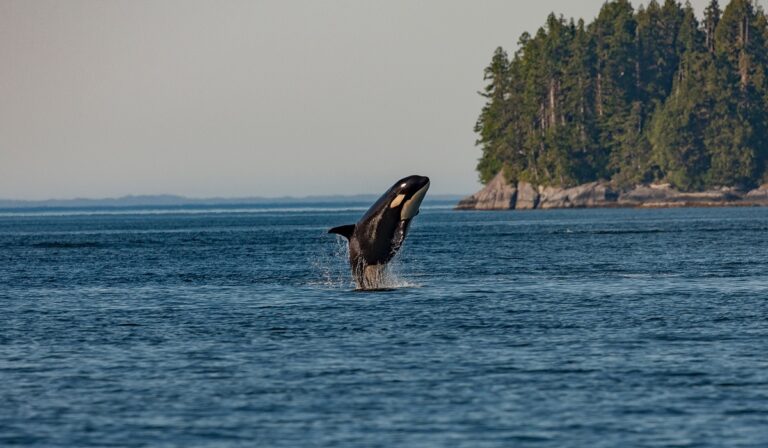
(588, 159)
(677, 132)
(491, 125)
(711, 19)
(616, 72)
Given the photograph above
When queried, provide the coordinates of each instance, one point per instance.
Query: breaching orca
(380, 233)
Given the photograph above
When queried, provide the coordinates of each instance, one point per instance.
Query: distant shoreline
(173, 201)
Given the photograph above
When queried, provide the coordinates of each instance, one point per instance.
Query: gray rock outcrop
(527, 196)
(498, 194)
(758, 195)
(593, 194)
(665, 195)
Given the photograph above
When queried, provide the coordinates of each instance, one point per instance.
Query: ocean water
(240, 327)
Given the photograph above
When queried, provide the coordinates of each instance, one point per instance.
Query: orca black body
(380, 233)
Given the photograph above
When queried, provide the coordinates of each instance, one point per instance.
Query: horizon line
(175, 199)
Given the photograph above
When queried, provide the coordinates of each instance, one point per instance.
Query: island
(646, 107)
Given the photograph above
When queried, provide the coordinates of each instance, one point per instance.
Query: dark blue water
(240, 328)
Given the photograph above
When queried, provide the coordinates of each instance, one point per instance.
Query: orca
(380, 233)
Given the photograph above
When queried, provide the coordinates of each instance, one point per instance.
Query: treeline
(633, 97)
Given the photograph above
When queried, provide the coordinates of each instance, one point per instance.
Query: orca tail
(345, 231)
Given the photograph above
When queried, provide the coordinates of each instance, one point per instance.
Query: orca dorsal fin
(345, 231)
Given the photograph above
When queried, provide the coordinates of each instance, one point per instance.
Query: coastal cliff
(498, 194)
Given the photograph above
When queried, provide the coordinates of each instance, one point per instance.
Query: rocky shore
(498, 194)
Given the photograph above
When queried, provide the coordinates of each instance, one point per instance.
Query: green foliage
(495, 116)
(633, 97)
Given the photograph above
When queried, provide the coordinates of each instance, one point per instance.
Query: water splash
(332, 265)
(333, 271)
(394, 275)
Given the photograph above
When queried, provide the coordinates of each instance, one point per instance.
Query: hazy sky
(248, 98)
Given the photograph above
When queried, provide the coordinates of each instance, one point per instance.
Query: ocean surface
(241, 327)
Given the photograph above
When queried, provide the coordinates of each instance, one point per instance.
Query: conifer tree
(494, 117)
(616, 78)
(711, 19)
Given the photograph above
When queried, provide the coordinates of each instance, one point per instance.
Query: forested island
(651, 102)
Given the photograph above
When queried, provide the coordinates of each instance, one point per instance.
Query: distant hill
(155, 201)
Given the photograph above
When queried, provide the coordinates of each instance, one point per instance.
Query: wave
(65, 245)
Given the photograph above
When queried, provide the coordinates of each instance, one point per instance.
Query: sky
(248, 98)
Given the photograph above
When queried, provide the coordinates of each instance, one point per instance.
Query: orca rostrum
(380, 233)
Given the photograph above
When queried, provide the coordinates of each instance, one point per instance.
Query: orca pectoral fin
(345, 231)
